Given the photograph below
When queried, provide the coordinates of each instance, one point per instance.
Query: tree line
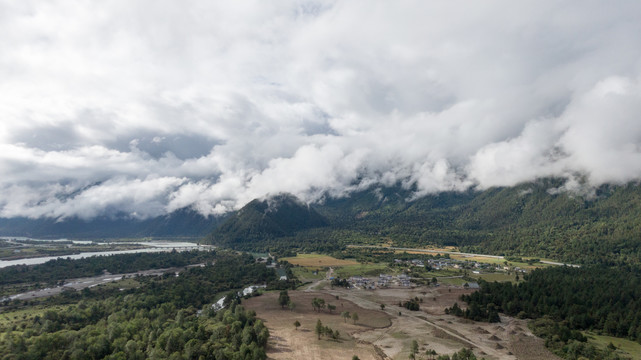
(597, 298)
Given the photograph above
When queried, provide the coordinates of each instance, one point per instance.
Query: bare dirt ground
(287, 342)
(388, 333)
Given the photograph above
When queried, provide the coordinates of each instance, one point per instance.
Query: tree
(431, 354)
(382, 306)
(414, 347)
(283, 299)
(319, 328)
(464, 354)
(355, 357)
(331, 307)
(345, 315)
(434, 280)
(296, 324)
(355, 317)
(291, 306)
(412, 304)
(318, 304)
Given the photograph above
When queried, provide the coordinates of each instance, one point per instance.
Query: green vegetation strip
(161, 319)
(624, 347)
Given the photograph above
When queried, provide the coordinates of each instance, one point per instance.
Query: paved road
(451, 253)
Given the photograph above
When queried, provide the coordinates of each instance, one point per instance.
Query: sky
(140, 108)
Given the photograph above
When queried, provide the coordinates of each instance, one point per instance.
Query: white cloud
(146, 107)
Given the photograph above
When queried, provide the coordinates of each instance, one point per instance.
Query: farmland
(318, 261)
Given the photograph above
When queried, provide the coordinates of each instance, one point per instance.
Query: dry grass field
(388, 333)
(287, 342)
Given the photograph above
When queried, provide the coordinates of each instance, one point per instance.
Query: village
(405, 279)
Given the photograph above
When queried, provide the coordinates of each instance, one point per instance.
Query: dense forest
(565, 301)
(162, 319)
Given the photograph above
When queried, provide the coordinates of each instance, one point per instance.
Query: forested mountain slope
(533, 219)
(263, 220)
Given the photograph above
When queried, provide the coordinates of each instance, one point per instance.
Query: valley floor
(388, 333)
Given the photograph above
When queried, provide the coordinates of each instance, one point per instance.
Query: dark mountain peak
(268, 218)
(284, 201)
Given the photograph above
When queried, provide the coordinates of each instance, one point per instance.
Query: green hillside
(527, 220)
(264, 220)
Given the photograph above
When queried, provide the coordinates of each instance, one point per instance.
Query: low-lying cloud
(143, 108)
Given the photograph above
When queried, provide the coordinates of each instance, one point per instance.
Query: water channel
(152, 246)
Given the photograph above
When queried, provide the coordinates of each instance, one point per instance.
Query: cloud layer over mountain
(145, 107)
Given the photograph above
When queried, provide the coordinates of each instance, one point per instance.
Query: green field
(15, 319)
(452, 281)
(489, 277)
(625, 347)
(363, 270)
(306, 274)
(500, 277)
(443, 272)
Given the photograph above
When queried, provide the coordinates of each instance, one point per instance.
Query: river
(154, 246)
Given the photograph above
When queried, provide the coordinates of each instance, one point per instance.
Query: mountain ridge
(265, 219)
(530, 219)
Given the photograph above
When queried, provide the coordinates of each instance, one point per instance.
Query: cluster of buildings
(446, 263)
(414, 262)
(383, 280)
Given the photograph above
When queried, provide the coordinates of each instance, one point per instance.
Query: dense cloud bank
(146, 107)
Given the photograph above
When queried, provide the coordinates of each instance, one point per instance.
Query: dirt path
(314, 286)
(418, 317)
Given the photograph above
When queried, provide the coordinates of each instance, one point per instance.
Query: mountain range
(532, 219)
(181, 223)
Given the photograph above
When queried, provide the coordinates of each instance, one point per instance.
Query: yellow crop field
(314, 260)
